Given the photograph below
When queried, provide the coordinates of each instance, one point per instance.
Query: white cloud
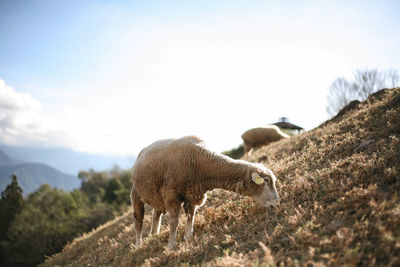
(22, 121)
(10, 100)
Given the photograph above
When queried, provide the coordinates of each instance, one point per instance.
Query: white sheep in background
(172, 172)
(262, 136)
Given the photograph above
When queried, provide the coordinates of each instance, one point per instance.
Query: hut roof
(284, 124)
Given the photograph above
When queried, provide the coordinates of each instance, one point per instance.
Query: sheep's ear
(255, 177)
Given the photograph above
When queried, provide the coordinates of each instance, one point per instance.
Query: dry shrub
(338, 206)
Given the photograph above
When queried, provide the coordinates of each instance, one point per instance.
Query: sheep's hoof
(138, 243)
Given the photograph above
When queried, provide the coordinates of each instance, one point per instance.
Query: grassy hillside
(340, 204)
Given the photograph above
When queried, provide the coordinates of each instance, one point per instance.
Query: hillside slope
(339, 205)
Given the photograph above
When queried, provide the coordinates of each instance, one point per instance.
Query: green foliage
(51, 217)
(235, 153)
(10, 204)
(118, 190)
(94, 184)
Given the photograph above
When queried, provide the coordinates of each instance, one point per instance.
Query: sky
(111, 77)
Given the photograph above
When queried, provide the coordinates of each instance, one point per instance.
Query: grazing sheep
(171, 172)
(262, 136)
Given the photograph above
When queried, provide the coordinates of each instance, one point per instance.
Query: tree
(49, 219)
(365, 83)
(94, 184)
(117, 192)
(10, 204)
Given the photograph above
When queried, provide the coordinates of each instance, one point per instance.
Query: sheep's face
(265, 180)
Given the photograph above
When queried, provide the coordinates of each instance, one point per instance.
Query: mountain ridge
(32, 175)
(67, 160)
(5, 160)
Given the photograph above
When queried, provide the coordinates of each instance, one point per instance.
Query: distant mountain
(5, 160)
(67, 161)
(32, 175)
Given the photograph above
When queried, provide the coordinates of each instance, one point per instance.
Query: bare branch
(365, 83)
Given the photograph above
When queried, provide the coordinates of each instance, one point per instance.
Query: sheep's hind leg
(156, 222)
(138, 214)
(190, 214)
(173, 224)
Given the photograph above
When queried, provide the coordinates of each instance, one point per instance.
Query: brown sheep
(262, 136)
(172, 172)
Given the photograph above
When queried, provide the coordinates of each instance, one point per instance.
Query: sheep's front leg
(138, 214)
(173, 224)
(156, 222)
(190, 213)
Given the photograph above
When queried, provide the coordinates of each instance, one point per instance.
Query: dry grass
(338, 207)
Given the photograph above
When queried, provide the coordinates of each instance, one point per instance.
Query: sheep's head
(264, 182)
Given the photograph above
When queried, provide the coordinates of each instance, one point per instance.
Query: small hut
(288, 127)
